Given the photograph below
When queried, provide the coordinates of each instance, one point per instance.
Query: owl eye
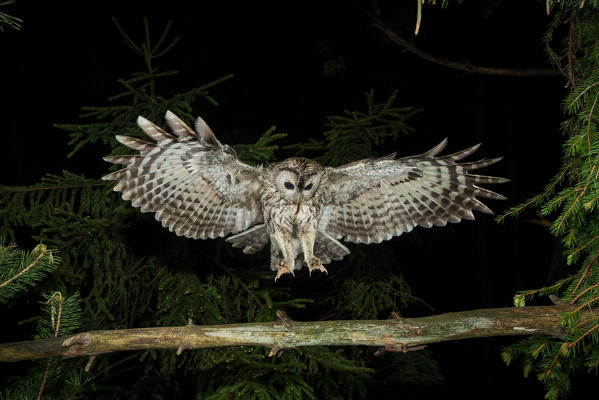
(308, 187)
(289, 185)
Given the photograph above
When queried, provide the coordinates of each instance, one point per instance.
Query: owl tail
(328, 248)
(252, 240)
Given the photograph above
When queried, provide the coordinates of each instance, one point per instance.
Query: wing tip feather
(142, 121)
(437, 149)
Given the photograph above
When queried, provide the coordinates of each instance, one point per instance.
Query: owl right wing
(375, 199)
(197, 187)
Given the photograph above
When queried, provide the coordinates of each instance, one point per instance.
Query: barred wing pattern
(375, 199)
(197, 187)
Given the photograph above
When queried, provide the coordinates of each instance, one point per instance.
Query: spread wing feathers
(375, 199)
(197, 187)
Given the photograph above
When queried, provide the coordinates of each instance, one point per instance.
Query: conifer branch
(397, 334)
(42, 252)
(20, 270)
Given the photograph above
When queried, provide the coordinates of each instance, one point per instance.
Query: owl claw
(315, 263)
(319, 268)
(283, 269)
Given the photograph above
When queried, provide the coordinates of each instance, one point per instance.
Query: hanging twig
(476, 69)
(56, 325)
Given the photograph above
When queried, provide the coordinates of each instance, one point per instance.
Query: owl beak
(298, 200)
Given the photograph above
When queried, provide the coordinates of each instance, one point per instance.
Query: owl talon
(315, 263)
(283, 269)
(319, 268)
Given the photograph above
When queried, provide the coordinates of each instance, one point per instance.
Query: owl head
(297, 179)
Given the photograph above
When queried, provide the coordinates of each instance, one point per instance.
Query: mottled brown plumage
(198, 188)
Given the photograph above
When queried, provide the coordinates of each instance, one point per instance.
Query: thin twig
(583, 292)
(585, 304)
(59, 297)
(583, 335)
(584, 274)
(418, 17)
(39, 188)
(570, 69)
(477, 69)
(556, 285)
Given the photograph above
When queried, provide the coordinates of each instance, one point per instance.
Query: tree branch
(477, 69)
(397, 334)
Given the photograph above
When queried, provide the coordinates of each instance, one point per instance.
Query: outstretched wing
(375, 199)
(197, 187)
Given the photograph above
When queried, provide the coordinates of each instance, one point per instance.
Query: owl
(198, 188)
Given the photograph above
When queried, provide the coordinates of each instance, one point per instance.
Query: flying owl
(198, 188)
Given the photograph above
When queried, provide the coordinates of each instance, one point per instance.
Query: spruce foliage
(570, 201)
(59, 315)
(21, 270)
(130, 272)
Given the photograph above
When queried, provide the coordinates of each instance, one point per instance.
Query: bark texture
(396, 334)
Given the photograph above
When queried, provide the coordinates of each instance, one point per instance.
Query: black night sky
(66, 58)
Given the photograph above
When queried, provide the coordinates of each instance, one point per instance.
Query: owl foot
(316, 264)
(282, 269)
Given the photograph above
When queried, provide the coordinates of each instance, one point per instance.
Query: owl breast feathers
(198, 188)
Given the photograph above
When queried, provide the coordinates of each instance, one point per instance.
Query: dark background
(69, 57)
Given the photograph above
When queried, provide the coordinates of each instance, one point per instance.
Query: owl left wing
(197, 187)
(375, 199)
